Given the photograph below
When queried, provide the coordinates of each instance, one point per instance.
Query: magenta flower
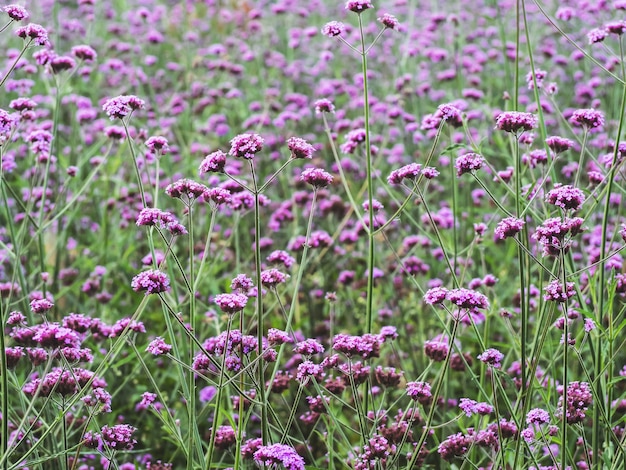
(231, 303)
(119, 437)
(492, 357)
(35, 32)
(333, 29)
(246, 146)
(158, 346)
(508, 227)
(316, 177)
(279, 454)
(358, 6)
(152, 281)
(389, 21)
(300, 148)
(324, 105)
(468, 163)
(122, 106)
(566, 197)
(16, 12)
(589, 118)
(514, 121)
(213, 163)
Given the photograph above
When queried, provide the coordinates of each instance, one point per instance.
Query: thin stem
(259, 309)
(370, 188)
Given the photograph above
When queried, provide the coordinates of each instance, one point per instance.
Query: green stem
(370, 188)
(259, 309)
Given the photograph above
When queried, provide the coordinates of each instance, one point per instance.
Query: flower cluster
(516, 122)
(152, 281)
(122, 106)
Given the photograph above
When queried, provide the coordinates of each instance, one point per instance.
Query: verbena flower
(246, 146)
(122, 106)
(300, 148)
(492, 357)
(16, 12)
(316, 177)
(279, 454)
(358, 6)
(468, 163)
(508, 227)
(152, 281)
(213, 163)
(35, 32)
(566, 197)
(515, 121)
(333, 29)
(389, 21)
(589, 118)
(231, 303)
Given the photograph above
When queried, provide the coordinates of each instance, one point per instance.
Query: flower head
(324, 105)
(316, 177)
(589, 118)
(389, 21)
(16, 12)
(514, 121)
(468, 163)
(300, 148)
(333, 29)
(122, 106)
(213, 163)
(246, 145)
(492, 357)
(152, 281)
(35, 32)
(358, 6)
(231, 303)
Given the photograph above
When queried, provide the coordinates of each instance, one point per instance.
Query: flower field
(312, 235)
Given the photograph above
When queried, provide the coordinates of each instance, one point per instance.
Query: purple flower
(316, 177)
(157, 144)
(300, 148)
(272, 277)
(122, 106)
(185, 187)
(410, 171)
(419, 391)
(246, 146)
(358, 6)
(324, 105)
(467, 298)
(279, 454)
(514, 121)
(152, 281)
(566, 197)
(579, 399)
(281, 256)
(468, 163)
(231, 303)
(492, 357)
(119, 437)
(508, 227)
(559, 144)
(277, 337)
(597, 35)
(554, 291)
(242, 283)
(389, 21)
(16, 12)
(158, 346)
(35, 32)
(84, 53)
(332, 29)
(455, 446)
(588, 118)
(436, 295)
(470, 407)
(308, 347)
(41, 306)
(213, 163)
(537, 416)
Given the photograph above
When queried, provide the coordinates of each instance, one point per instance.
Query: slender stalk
(191, 399)
(259, 309)
(369, 307)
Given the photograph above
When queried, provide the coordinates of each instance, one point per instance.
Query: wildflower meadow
(288, 234)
